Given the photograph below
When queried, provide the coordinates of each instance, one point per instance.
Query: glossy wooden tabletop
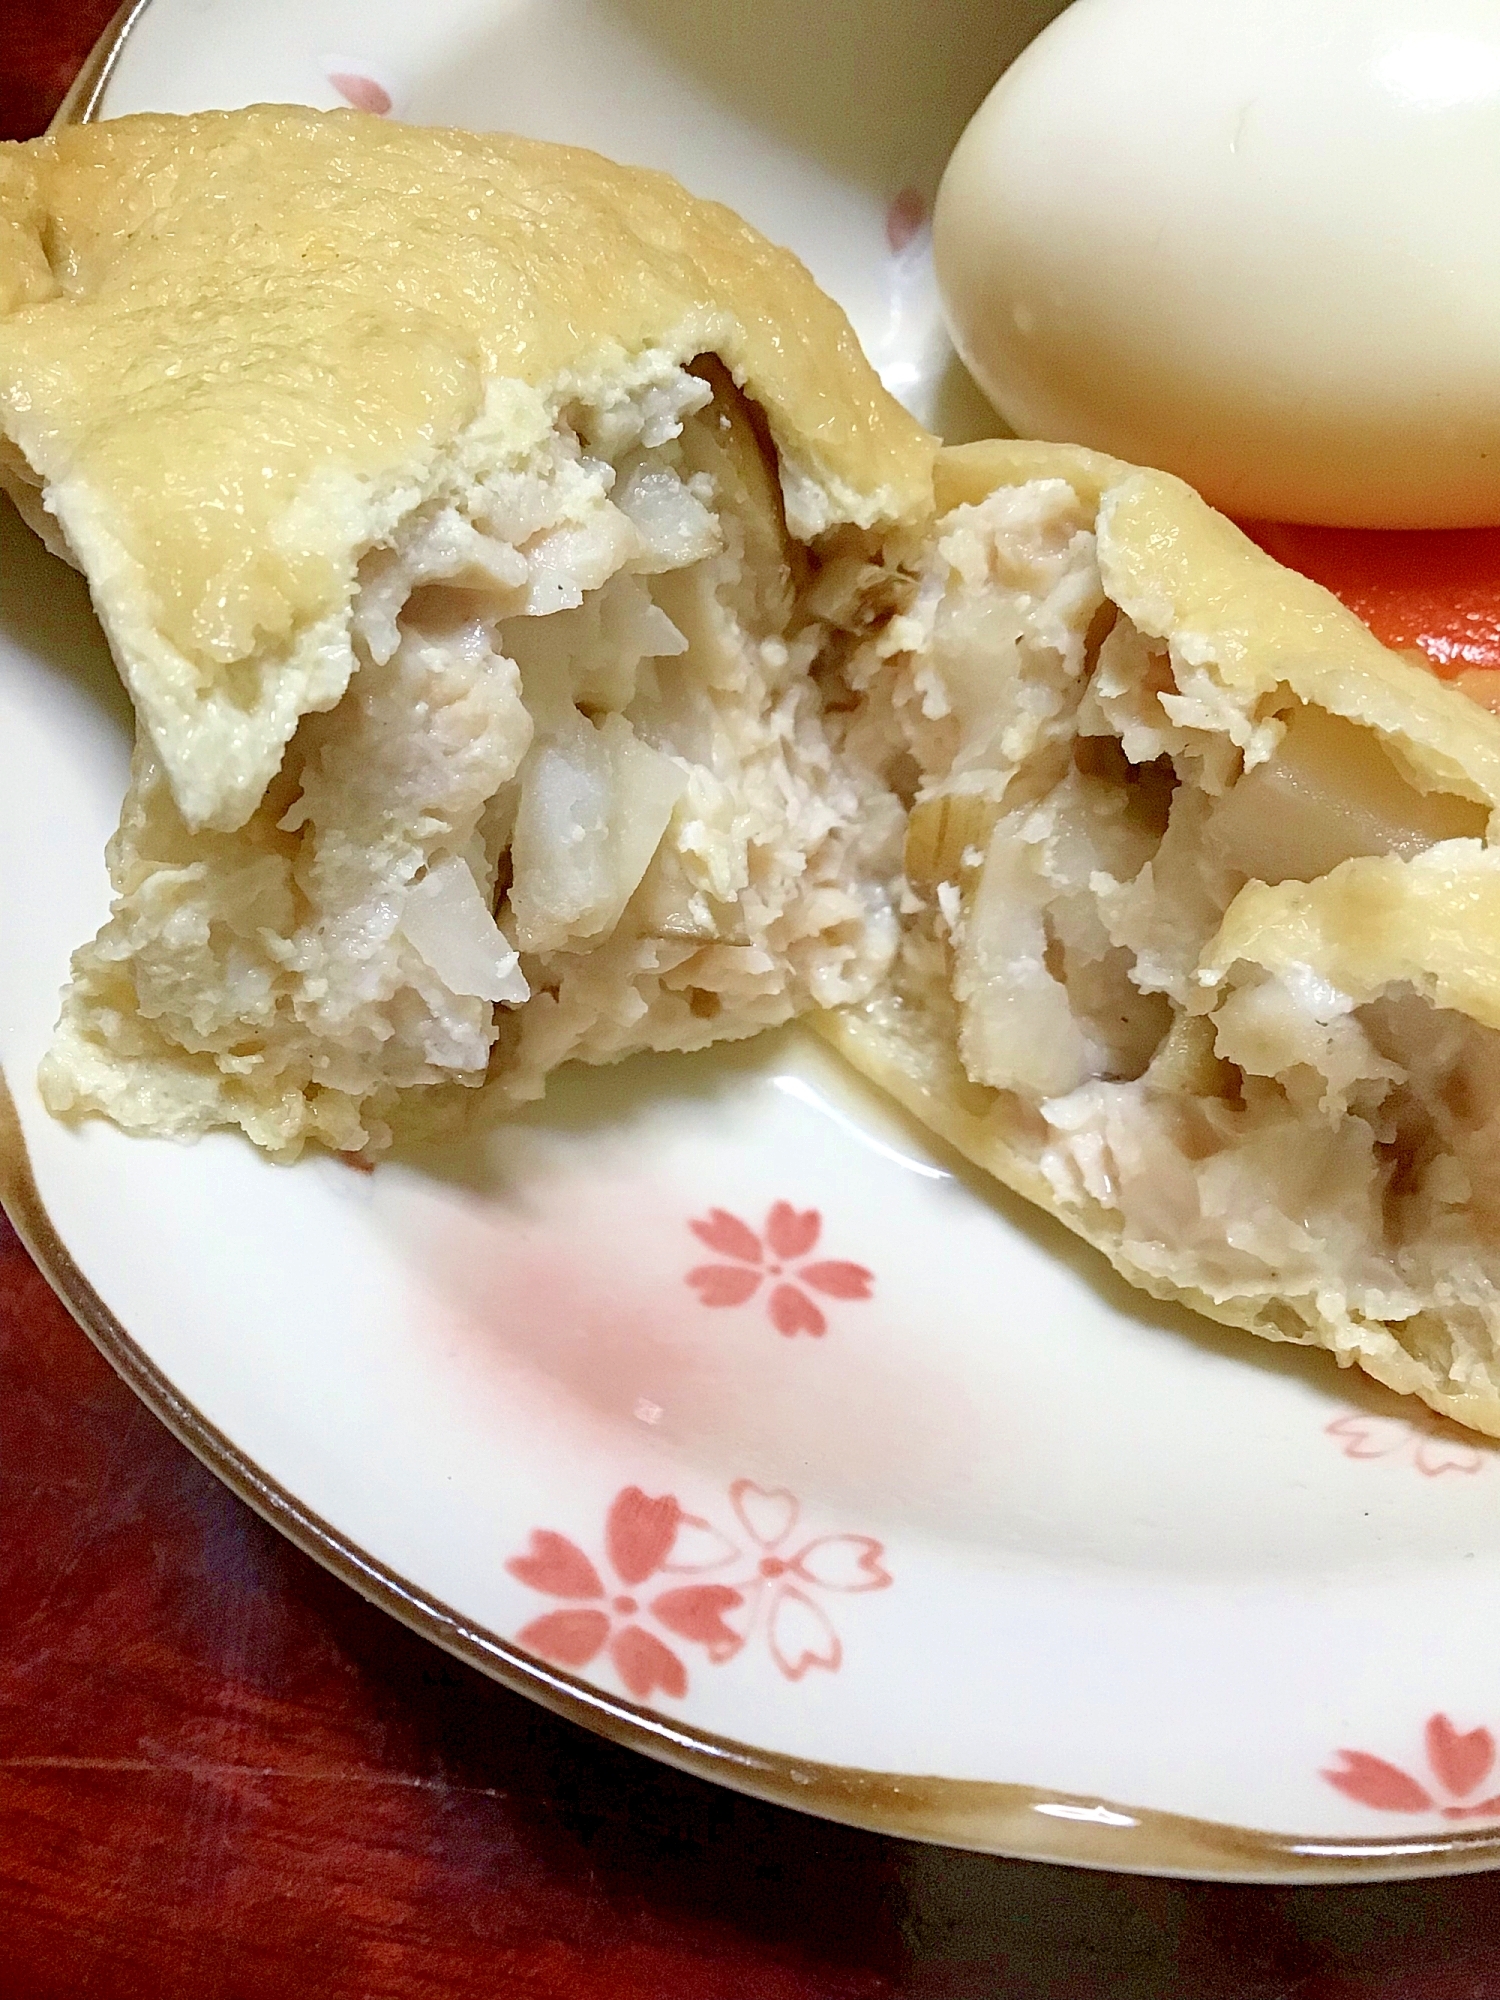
(224, 1777)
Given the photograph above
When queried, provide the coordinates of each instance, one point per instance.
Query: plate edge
(86, 92)
(1025, 1822)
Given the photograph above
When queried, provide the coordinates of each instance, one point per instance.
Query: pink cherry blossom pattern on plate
(791, 1575)
(1432, 1446)
(774, 1257)
(773, 1586)
(904, 218)
(641, 1534)
(356, 87)
(1458, 1763)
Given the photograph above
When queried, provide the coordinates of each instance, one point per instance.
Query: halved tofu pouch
(546, 646)
(452, 505)
(1201, 937)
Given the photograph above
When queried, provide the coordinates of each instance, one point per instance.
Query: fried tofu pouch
(1201, 938)
(449, 503)
(549, 642)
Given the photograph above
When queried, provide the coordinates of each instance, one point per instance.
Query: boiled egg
(1256, 242)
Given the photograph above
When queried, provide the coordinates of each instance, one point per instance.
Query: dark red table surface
(225, 1777)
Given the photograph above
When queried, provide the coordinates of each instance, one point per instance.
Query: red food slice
(1430, 591)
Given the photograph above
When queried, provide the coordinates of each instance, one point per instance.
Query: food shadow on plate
(875, 91)
(597, 1104)
(589, 1100)
(813, 152)
(46, 614)
(958, 413)
(879, 90)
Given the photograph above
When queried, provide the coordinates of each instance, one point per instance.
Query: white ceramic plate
(709, 1405)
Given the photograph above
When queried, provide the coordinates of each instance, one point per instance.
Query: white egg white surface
(1256, 242)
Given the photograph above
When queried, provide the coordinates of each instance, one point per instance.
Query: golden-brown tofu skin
(241, 350)
(451, 504)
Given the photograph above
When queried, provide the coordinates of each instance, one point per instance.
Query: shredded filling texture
(582, 797)
(1090, 805)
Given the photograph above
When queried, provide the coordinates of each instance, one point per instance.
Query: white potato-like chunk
(546, 821)
(451, 925)
(1329, 791)
(595, 802)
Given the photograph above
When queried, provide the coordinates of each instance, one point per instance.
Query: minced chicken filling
(1086, 809)
(622, 767)
(581, 797)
